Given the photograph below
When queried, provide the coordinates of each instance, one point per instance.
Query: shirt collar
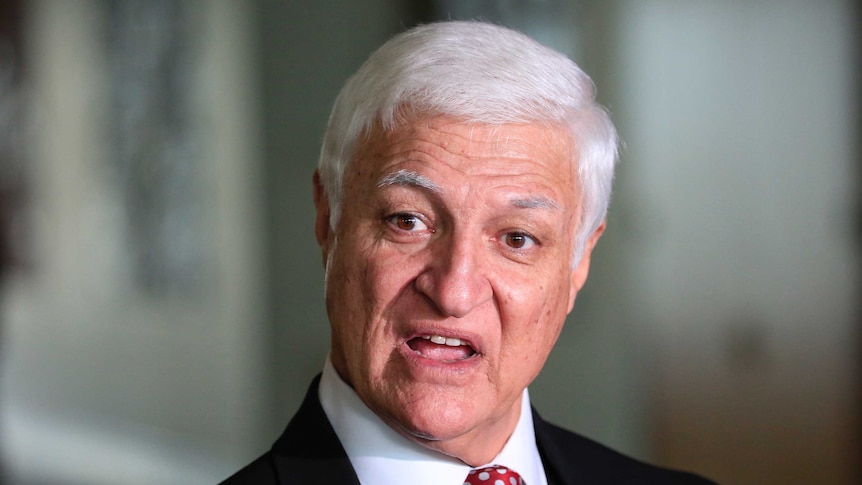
(381, 455)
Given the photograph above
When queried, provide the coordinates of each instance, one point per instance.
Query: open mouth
(442, 349)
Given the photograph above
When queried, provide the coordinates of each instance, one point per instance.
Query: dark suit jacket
(309, 452)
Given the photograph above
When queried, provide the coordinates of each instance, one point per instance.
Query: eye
(407, 222)
(519, 240)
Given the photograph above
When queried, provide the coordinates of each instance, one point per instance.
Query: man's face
(449, 275)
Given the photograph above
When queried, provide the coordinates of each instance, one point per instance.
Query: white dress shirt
(381, 456)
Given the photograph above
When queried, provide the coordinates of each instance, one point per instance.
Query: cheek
(354, 297)
(366, 289)
(347, 295)
(533, 316)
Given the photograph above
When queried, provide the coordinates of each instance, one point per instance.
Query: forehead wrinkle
(512, 147)
(409, 178)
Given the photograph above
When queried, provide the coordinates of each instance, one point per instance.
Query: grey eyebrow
(409, 178)
(413, 179)
(537, 202)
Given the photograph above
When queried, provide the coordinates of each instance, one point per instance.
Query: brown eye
(406, 222)
(518, 240)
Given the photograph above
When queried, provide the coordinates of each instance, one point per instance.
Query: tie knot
(493, 475)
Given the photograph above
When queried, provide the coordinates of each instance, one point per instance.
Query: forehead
(440, 147)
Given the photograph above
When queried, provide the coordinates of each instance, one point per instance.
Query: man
(463, 183)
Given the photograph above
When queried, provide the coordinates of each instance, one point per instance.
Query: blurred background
(161, 309)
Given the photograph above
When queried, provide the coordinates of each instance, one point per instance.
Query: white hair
(479, 73)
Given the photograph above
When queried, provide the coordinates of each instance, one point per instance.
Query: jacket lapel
(309, 451)
(559, 463)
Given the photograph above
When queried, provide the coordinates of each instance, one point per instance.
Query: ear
(322, 228)
(582, 270)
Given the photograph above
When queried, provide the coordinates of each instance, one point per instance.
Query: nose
(456, 278)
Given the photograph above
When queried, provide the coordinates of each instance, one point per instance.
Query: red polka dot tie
(493, 475)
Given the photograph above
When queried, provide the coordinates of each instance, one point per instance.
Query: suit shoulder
(577, 459)
(259, 472)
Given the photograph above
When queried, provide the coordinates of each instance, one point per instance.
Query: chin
(446, 419)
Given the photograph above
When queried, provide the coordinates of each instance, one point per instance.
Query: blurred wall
(740, 189)
(132, 340)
